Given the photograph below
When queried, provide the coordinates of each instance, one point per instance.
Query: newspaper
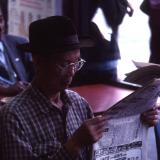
(125, 136)
(143, 73)
(144, 64)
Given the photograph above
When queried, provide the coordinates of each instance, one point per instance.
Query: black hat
(54, 34)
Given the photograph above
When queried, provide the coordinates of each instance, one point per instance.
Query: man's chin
(66, 84)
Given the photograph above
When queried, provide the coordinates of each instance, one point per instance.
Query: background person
(103, 58)
(15, 65)
(154, 23)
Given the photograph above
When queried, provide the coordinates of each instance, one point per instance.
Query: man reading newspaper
(47, 121)
(126, 134)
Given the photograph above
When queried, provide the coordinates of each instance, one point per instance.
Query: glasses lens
(77, 65)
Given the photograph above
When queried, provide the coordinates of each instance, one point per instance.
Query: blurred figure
(81, 12)
(101, 62)
(114, 12)
(154, 23)
(15, 65)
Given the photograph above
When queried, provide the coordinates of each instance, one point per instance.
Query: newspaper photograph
(125, 136)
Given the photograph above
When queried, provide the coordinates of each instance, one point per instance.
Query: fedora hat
(54, 34)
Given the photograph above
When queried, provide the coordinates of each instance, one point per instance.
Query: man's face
(65, 67)
(58, 71)
(2, 25)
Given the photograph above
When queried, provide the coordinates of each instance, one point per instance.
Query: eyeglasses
(76, 66)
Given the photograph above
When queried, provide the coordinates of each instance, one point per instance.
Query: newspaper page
(125, 136)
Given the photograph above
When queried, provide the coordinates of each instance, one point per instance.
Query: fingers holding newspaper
(152, 116)
(88, 133)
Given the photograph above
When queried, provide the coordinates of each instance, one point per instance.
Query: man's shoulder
(79, 103)
(14, 38)
(72, 93)
(74, 96)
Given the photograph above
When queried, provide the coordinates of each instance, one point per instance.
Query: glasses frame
(76, 65)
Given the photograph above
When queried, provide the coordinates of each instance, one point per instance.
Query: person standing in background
(114, 12)
(81, 12)
(154, 23)
(153, 11)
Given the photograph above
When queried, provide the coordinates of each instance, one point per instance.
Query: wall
(22, 12)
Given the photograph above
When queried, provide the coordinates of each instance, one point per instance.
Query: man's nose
(71, 70)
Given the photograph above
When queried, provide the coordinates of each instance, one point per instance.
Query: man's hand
(152, 116)
(87, 134)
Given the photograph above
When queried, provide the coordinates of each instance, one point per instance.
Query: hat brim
(85, 42)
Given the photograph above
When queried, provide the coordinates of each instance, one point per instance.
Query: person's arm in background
(13, 89)
(130, 9)
(26, 58)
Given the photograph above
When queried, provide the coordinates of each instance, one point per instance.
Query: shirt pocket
(46, 148)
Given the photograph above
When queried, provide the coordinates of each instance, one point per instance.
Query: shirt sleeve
(16, 146)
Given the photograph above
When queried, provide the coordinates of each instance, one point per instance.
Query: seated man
(15, 65)
(48, 121)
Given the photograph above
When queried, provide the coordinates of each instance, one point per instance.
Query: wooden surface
(102, 96)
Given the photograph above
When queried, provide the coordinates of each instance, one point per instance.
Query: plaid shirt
(32, 128)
